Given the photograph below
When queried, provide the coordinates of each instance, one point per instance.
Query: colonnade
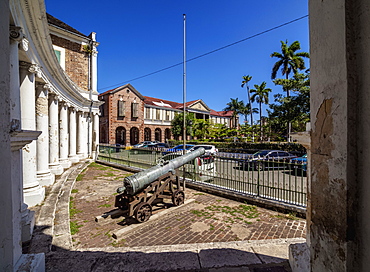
(69, 128)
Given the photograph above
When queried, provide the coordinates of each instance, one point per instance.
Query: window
(60, 54)
(167, 115)
(101, 107)
(147, 113)
(121, 108)
(158, 114)
(134, 110)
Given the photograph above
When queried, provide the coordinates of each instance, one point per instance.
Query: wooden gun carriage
(153, 185)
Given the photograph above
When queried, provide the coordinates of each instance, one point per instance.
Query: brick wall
(110, 121)
(76, 61)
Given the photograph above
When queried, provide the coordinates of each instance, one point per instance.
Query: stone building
(128, 117)
(49, 114)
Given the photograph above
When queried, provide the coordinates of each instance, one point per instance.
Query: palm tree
(247, 110)
(260, 95)
(236, 107)
(245, 81)
(289, 61)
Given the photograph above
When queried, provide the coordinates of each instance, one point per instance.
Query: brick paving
(206, 219)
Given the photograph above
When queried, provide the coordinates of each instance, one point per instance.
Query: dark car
(177, 149)
(299, 163)
(267, 159)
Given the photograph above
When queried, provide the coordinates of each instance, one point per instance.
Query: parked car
(210, 149)
(157, 145)
(299, 163)
(178, 149)
(142, 144)
(202, 168)
(267, 159)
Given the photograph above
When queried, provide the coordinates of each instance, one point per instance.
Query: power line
(208, 53)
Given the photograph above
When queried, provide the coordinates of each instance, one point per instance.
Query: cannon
(141, 190)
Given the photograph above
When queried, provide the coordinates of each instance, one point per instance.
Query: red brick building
(127, 117)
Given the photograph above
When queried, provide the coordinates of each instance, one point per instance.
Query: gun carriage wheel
(178, 197)
(143, 211)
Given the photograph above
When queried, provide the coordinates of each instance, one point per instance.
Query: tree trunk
(250, 105)
(260, 121)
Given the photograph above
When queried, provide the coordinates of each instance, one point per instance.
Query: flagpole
(184, 99)
(184, 86)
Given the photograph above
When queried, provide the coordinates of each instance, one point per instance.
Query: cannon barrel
(133, 184)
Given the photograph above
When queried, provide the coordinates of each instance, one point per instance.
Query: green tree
(236, 107)
(245, 82)
(218, 131)
(294, 109)
(289, 61)
(177, 124)
(260, 95)
(201, 128)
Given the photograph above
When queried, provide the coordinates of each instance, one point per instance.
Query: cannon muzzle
(133, 184)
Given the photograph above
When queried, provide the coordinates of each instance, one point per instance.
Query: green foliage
(294, 109)
(288, 60)
(201, 128)
(261, 96)
(177, 124)
(105, 206)
(74, 227)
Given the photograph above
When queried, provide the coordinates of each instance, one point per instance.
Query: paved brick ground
(206, 219)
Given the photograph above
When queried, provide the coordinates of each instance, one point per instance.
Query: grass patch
(104, 205)
(74, 191)
(74, 226)
(98, 166)
(120, 243)
(198, 194)
(80, 177)
(72, 209)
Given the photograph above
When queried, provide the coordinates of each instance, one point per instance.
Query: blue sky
(142, 36)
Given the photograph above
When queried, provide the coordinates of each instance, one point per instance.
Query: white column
(81, 135)
(54, 164)
(95, 135)
(11, 181)
(94, 66)
(72, 136)
(89, 122)
(63, 136)
(33, 193)
(44, 176)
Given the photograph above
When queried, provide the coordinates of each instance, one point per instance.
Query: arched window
(121, 136)
(158, 134)
(134, 136)
(167, 134)
(147, 134)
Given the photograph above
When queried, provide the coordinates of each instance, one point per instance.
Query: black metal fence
(282, 182)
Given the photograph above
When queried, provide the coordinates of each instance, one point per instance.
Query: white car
(210, 149)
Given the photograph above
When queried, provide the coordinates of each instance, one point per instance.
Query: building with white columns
(49, 114)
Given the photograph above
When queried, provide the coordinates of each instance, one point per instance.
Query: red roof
(222, 113)
(162, 103)
(172, 105)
